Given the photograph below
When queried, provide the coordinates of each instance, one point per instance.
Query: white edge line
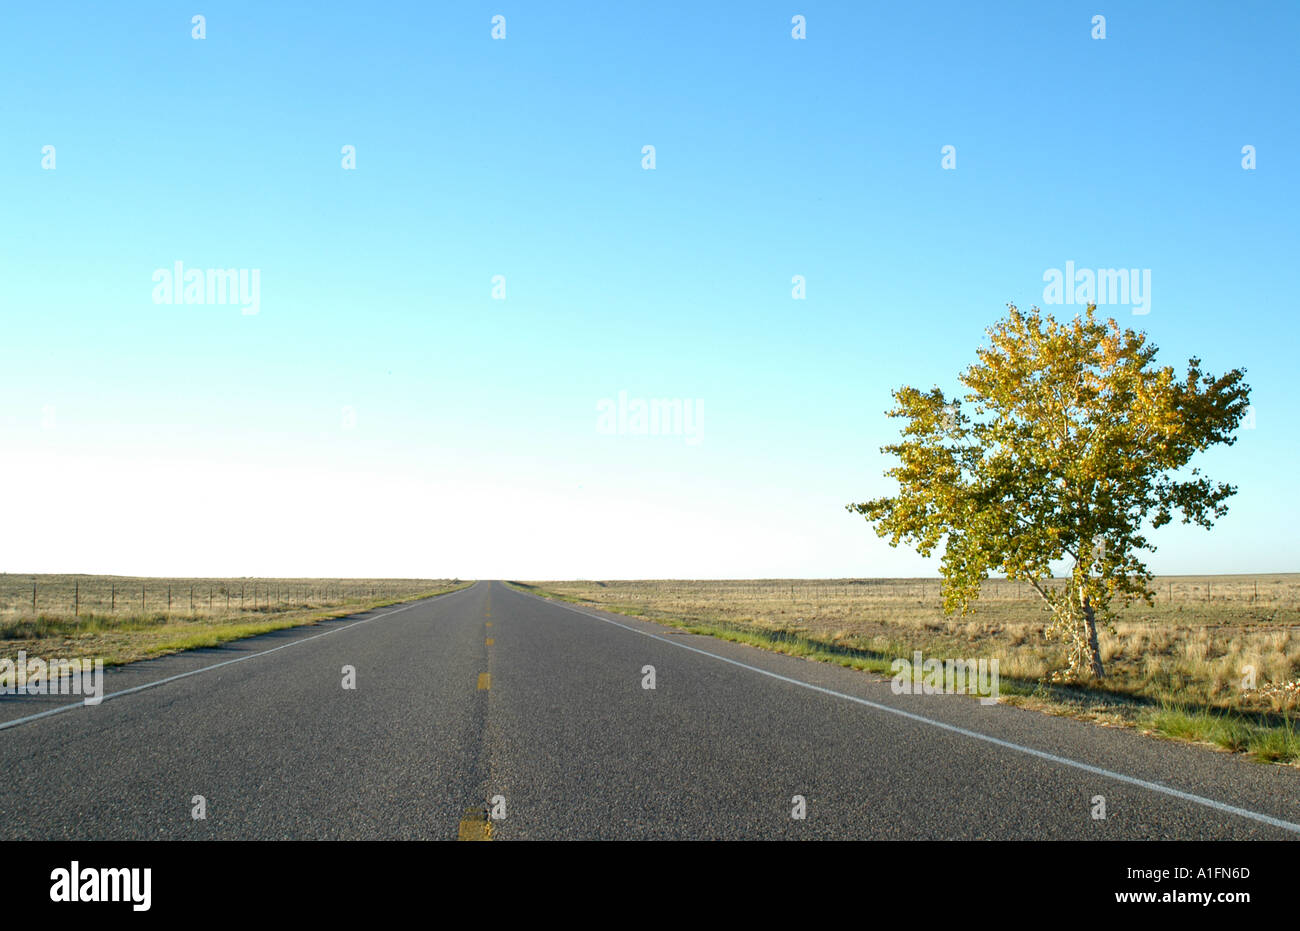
(987, 738)
(194, 672)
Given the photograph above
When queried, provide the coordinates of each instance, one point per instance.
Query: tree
(1074, 441)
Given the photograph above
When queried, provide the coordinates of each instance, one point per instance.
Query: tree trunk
(1094, 650)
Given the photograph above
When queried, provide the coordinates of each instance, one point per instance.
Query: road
(488, 693)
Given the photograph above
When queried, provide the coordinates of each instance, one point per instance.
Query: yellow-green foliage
(1071, 441)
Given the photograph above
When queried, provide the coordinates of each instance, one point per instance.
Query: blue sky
(195, 439)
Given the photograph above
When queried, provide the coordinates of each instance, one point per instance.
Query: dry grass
(121, 619)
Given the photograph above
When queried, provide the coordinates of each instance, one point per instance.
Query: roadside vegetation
(121, 619)
(1215, 660)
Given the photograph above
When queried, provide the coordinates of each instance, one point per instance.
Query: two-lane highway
(489, 712)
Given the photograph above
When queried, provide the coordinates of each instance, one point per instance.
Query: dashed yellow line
(474, 826)
(489, 623)
(490, 641)
(484, 681)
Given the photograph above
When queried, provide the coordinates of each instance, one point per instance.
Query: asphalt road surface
(488, 712)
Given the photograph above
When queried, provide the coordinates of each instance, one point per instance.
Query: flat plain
(1213, 659)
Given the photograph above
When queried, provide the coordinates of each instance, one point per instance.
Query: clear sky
(383, 414)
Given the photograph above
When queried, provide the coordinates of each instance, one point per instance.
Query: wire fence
(102, 596)
(1277, 590)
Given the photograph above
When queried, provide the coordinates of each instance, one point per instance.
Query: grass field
(121, 619)
(1175, 668)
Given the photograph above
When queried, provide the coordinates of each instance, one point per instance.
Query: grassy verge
(1263, 736)
(125, 639)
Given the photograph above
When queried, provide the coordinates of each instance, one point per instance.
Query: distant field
(1186, 654)
(124, 618)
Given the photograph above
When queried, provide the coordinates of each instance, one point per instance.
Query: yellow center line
(489, 623)
(490, 641)
(484, 681)
(474, 826)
